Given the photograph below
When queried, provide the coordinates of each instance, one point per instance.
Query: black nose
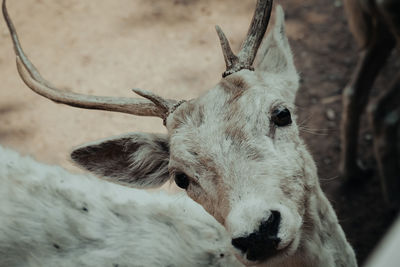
(262, 243)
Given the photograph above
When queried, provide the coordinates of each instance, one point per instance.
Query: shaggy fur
(50, 217)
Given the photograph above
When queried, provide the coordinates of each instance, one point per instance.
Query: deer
(235, 150)
(376, 28)
(51, 217)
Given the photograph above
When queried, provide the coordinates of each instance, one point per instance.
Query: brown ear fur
(137, 160)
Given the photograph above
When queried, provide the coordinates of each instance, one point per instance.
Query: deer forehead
(244, 95)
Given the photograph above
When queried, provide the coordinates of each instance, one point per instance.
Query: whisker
(328, 180)
(305, 120)
(313, 131)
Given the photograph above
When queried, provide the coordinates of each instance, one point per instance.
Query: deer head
(236, 149)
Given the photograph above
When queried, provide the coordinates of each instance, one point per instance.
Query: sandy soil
(170, 47)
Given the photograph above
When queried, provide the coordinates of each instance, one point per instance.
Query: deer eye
(281, 116)
(182, 180)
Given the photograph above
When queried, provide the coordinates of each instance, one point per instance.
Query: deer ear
(275, 59)
(275, 55)
(137, 160)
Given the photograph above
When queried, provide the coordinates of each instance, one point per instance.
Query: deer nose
(262, 243)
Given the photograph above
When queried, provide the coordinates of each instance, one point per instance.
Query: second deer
(376, 28)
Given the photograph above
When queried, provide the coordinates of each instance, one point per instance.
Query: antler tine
(250, 45)
(32, 78)
(256, 32)
(159, 101)
(230, 58)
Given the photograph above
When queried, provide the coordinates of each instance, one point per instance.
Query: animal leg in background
(355, 98)
(385, 119)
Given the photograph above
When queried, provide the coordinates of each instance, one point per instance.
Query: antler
(156, 107)
(248, 51)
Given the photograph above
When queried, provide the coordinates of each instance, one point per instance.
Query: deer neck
(324, 242)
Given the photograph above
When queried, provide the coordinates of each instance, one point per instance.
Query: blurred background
(170, 47)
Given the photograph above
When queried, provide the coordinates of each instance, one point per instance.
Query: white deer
(50, 217)
(236, 150)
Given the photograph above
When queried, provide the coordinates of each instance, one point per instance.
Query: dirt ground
(170, 47)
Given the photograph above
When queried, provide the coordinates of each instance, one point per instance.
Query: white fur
(50, 217)
(240, 165)
(282, 178)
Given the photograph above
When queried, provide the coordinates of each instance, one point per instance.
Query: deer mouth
(264, 254)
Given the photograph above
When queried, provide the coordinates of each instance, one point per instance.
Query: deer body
(50, 217)
(236, 150)
(376, 28)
